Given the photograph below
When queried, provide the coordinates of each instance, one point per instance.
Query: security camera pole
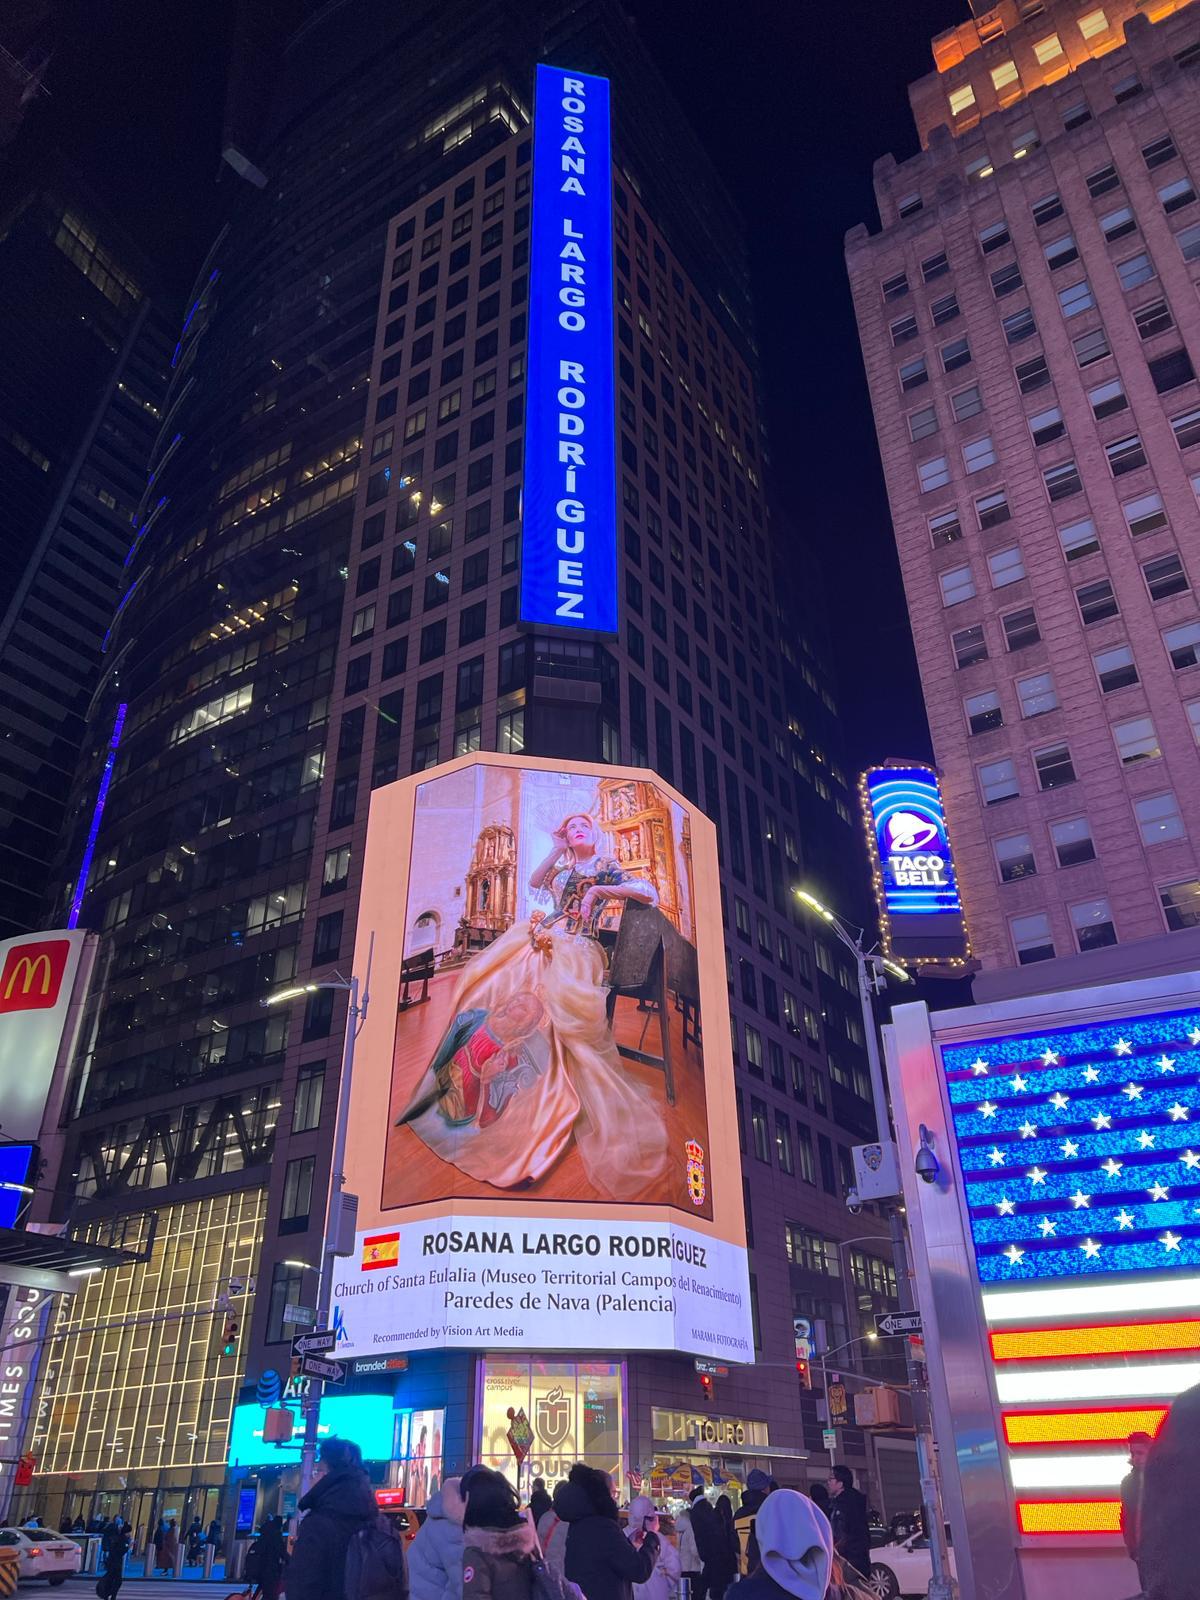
(873, 970)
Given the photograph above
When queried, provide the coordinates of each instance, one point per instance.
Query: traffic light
(706, 1387)
(229, 1339)
(804, 1372)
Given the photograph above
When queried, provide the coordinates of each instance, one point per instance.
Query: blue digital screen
(368, 1419)
(569, 510)
(1077, 1147)
(909, 825)
(14, 1168)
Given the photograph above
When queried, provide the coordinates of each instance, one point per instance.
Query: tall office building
(327, 601)
(87, 356)
(1030, 329)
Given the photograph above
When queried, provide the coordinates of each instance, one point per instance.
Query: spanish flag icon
(381, 1250)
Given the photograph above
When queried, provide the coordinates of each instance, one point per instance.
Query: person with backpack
(720, 1550)
(435, 1556)
(600, 1559)
(339, 1505)
(266, 1559)
(500, 1548)
(758, 1487)
(539, 1501)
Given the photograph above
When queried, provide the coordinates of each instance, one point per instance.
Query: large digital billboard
(37, 980)
(541, 1129)
(1057, 1248)
(916, 888)
(569, 506)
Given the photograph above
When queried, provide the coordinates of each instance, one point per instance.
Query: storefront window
(574, 1408)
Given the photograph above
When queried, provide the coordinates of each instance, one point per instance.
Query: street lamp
(356, 1013)
(873, 969)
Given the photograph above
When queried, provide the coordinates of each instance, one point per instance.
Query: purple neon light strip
(89, 849)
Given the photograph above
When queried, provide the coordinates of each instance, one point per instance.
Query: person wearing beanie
(797, 1557)
(758, 1487)
(499, 1544)
(435, 1556)
(663, 1581)
(691, 1563)
(600, 1559)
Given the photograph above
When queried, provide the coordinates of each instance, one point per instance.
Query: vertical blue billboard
(569, 510)
(915, 883)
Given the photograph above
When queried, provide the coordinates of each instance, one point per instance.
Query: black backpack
(375, 1564)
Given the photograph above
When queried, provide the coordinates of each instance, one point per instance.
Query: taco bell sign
(569, 513)
(915, 881)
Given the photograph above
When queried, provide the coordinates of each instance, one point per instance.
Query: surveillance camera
(927, 1165)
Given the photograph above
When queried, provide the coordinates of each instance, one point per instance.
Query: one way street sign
(890, 1323)
(314, 1367)
(312, 1344)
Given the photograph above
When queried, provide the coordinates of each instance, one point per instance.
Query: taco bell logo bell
(906, 831)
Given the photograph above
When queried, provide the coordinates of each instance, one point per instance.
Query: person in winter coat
(600, 1559)
(339, 1503)
(663, 1582)
(797, 1560)
(499, 1544)
(758, 1487)
(1133, 1488)
(552, 1536)
(114, 1547)
(539, 1501)
(690, 1564)
(435, 1556)
(1171, 1491)
(720, 1550)
(167, 1552)
(270, 1551)
(851, 1524)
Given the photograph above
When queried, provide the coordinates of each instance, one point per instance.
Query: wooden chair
(648, 960)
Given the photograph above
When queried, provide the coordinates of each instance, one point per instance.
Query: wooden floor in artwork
(413, 1173)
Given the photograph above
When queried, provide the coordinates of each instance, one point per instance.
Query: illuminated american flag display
(1080, 1157)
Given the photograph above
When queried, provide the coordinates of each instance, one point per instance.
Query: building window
(1072, 841)
(983, 711)
(1107, 399)
(1004, 74)
(1115, 668)
(783, 1143)
(1135, 271)
(1103, 181)
(1091, 346)
(921, 424)
(933, 474)
(944, 528)
(955, 354)
(1171, 371)
(1062, 481)
(1076, 114)
(1076, 298)
(1183, 645)
(992, 509)
(1020, 629)
(1048, 49)
(287, 1286)
(913, 374)
(1159, 151)
(1079, 539)
(1188, 240)
(1014, 857)
(1037, 694)
(1186, 428)
(910, 205)
(1118, 224)
(980, 453)
(961, 99)
(1154, 317)
(1136, 741)
(297, 1195)
(1158, 818)
(1181, 904)
(1031, 938)
(812, 1251)
(935, 266)
(1046, 426)
(1054, 767)
(944, 310)
(760, 1130)
(1174, 196)
(998, 781)
(1164, 576)
(510, 732)
(1061, 252)
(1019, 325)
(1006, 567)
(1093, 924)
(1096, 602)
(967, 403)
(895, 288)
(993, 237)
(1146, 514)
(1046, 209)
(310, 1091)
(1006, 280)
(904, 329)
(336, 869)
(969, 646)
(957, 585)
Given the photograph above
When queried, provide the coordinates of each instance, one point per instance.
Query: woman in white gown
(528, 1062)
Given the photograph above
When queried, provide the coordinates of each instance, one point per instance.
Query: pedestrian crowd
(477, 1542)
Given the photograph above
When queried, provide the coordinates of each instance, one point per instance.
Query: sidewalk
(144, 1588)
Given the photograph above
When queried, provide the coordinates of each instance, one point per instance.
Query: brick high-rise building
(327, 600)
(1029, 322)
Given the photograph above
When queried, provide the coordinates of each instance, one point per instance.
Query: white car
(904, 1568)
(44, 1553)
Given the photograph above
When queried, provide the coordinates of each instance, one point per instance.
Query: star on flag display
(1079, 1150)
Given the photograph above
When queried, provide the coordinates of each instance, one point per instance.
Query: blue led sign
(913, 852)
(569, 512)
(368, 1419)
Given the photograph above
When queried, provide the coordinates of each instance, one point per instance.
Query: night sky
(795, 102)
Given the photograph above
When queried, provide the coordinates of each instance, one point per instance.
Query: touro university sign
(557, 1164)
(569, 525)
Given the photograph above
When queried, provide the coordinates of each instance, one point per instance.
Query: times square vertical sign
(569, 513)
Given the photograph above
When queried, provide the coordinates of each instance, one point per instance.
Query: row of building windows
(1093, 926)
